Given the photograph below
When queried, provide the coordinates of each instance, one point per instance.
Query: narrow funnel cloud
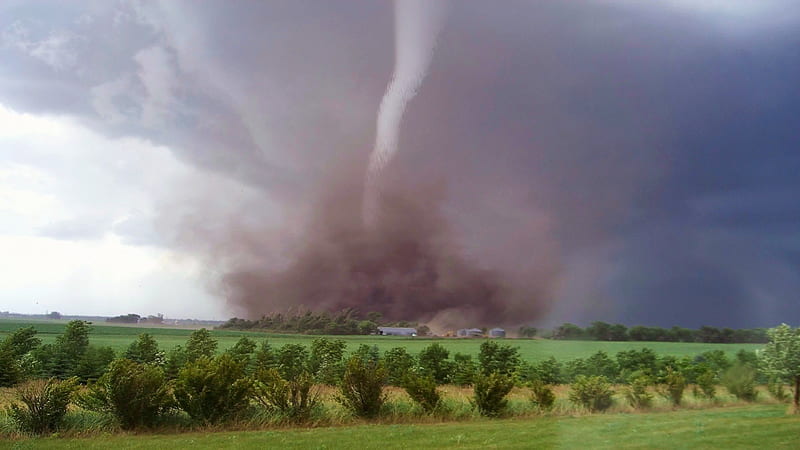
(417, 24)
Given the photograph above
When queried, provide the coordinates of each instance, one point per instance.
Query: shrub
(637, 394)
(707, 381)
(398, 364)
(361, 389)
(213, 390)
(490, 393)
(740, 380)
(433, 360)
(642, 360)
(422, 389)
(593, 392)
(295, 399)
(145, 350)
(500, 358)
(21, 341)
(176, 359)
(369, 353)
(61, 358)
(265, 357)
(326, 360)
(672, 386)
(136, 394)
(200, 345)
(542, 395)
(291, 360)
(464, 370)
(94, 363)
(548, 371)
(10, 370)
(242, 350)
(44, 405)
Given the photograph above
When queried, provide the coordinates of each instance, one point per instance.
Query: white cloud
(76, 222)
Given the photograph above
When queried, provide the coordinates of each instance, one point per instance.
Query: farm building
(397, 331)
(497, 333)
(470, 332)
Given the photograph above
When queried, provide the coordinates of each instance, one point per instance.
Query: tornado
(417, 25)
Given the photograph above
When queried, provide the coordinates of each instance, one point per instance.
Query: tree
(145, 350)
(21, 341)
(213, 390)
(527, 332)
(326, 362)
(200, 344)
(600, 331)
(568, 331)
(494, 357)
(434, 361)
(781, 358)
(135, 394)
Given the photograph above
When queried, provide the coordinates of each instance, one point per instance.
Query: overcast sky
(645, 154)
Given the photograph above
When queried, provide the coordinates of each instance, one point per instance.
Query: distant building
(470, 332)
(397, 331)
(497, 333)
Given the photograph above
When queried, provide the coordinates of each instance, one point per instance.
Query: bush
(500, 358)
(265, 357)
(422, 389)
(361, 389)
(637, 394)
(490, 393)
(136, 394)
(542, 395)
(94, 363)
(243, 350)
(740, 380)
(213, 390)
(593, 393)
(44, 405)
(707, 381)
(672, 386)
(433, 360)
(547, 371)
(10, 370)
(145, 350)
(464, 370)
(200, 345)
(176, 359)
(291, 360)
(326, 360)
(295, 399)
(398, 363)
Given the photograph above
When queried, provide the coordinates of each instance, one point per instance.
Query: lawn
(119, 337)
(762, 426)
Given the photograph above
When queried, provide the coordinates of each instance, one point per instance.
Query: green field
(762, 426)
(119, 337)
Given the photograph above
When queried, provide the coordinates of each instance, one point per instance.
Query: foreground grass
(119, 337)
(762, 426)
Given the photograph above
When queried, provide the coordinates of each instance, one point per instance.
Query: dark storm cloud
(629, 161)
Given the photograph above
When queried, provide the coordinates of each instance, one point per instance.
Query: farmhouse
(397, 331)
(470, 332)
(497, 333)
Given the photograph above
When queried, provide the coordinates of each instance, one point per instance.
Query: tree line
(345, 322)
(603, 331)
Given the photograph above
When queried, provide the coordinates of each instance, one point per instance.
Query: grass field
(762, 426)
(119, 337)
